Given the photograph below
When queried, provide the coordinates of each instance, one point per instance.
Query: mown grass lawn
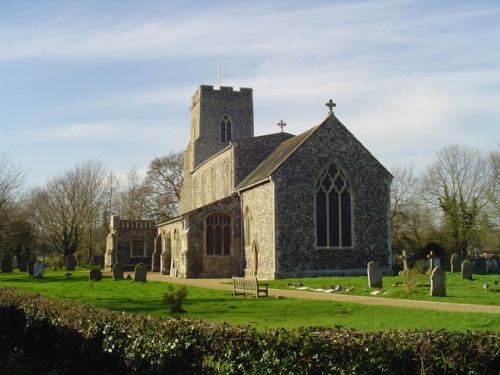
(458, 290)
(216, 305)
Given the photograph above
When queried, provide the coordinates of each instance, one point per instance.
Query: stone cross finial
(281, 124)
(330, 104)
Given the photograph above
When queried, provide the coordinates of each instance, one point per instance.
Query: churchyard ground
(219, 305)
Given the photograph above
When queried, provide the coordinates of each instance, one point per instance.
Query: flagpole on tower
(218, 69)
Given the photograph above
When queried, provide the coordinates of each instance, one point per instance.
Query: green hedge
(39, 335)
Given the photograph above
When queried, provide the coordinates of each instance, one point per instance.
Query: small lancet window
(225, 129)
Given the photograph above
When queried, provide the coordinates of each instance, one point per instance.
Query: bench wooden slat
(241, 285)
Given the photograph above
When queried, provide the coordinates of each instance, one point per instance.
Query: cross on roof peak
(330, 104)
(281, 124)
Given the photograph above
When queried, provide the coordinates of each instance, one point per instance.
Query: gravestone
(118, 271)
(31, 267)
(23, 263)
(95, 275)
(467, 270)
(140, 272)
(374, 275)
(38, 270)
(70, 262)
(7, 264)
(438, 287)
(455, 263)
(405, 260)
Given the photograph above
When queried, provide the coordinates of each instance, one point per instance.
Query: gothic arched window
(333, 209)
(218, 234)
(225, 129)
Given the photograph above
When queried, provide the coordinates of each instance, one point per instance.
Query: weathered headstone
(118, 271)
(438, 287)
(31, 267)
(70, 262)
(405, 260)
(7, 264)
(95, 275)
(374, 275)
(467, 269)
(140, 272)
(23, 263)
(455, 263)
(38, 269)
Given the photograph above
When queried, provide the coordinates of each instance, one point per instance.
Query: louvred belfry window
(333, 209)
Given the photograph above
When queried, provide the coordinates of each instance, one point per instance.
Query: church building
(273, 206)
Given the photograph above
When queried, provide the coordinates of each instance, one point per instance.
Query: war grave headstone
(7, 264)
(23, 263)
(455, 263)
(438, 287)
(95, 275)
(38, 270)
(374, 275)
(118, 271)
(467, 269)
(70, 262)
(140, 272)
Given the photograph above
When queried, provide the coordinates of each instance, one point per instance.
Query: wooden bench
(241, 285)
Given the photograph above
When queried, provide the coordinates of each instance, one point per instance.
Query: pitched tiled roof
(268, 166)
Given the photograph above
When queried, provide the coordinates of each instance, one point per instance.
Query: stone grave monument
(118, 271)
(70, 262)
(23, 263)
(95, 275)
(38, 269)
(31, 267)
(438, 287)
(374, 275)
(467, 270)
(140, 272)
(455, 263)
(7, 264)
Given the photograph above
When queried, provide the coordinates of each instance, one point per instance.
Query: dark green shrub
(175, 298)
(39, 335)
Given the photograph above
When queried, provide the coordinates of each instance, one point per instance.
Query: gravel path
(380, 301)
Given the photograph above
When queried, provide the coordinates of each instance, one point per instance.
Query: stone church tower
(217, 118)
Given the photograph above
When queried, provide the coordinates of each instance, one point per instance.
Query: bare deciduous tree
(68, 209)
(11, 182)
(163, 181)
(460, 184)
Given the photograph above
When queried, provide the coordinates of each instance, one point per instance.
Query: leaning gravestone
(38, 270)
(467, 270)
(455, 263)
(140, 272)
(438, 287)
(118, 271)
(95, 275)
(7, 264)
(23, 263)
(70, 262)
(374, 275)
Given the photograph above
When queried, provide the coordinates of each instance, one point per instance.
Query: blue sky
(112, 80)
